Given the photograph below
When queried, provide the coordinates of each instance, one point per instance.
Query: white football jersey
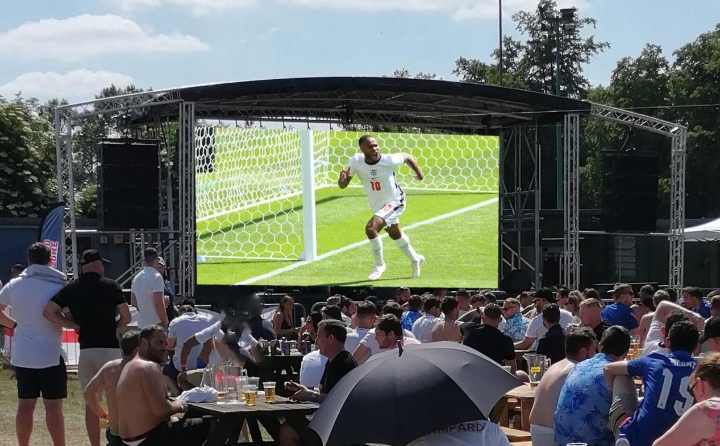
(378, 179)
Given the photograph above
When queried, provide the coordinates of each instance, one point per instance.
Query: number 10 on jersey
(375, 185)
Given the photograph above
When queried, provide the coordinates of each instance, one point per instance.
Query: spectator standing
(584, 403)
(488, 340)
(413, 313)
(422, 327)
(693, 297)
(170, 309)
(94, 302)
(39, 366)
(591, 316)
(148, 288)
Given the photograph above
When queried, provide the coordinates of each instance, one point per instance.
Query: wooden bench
(522, 443)
(515, 434)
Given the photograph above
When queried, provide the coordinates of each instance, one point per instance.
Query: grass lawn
(73, 407)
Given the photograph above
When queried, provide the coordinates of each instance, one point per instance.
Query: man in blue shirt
(620, 313)
(665, 378)
(584, 404)
(693, 298)
(415, 304)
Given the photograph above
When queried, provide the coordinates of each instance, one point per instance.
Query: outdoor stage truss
(445, 109)
(519, 202)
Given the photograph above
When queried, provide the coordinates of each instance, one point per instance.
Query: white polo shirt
(354, 337)
(37, 343)
(187, 326)
(422, 327)
(312, 368)
(537, 329)
(145, 283)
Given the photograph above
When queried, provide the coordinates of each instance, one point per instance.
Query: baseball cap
(544, 293)
(712, 329)
(91, 255)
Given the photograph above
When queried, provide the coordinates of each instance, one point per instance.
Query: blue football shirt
(619, 314)
(666, 379)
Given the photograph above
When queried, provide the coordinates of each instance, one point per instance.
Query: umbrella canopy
(394, 399)
(709, 231)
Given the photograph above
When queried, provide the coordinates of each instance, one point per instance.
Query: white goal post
(255, 188)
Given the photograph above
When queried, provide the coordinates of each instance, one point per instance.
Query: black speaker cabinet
(128, 181)
(630, 191)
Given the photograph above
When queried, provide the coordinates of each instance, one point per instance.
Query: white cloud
(87, 35)
(458, 9)
(76, 85)
(197, 7)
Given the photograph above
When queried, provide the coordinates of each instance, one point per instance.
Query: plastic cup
(250, 392)
(269, 391)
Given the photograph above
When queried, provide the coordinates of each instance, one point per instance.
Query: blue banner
(51, 233)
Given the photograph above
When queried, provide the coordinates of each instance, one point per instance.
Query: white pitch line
(358, 244)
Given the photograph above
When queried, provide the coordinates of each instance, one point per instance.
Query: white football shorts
(391, 212)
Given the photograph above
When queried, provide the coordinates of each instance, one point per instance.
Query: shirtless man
(448, 329)
(580, 345)
(106, 379)
(143, 408)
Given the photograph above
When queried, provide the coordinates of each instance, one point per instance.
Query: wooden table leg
(225, 429)
(255, 434)
(525, 408)
(272, 426)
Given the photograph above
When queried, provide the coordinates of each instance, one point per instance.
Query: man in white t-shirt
(469, 433)
(386, 199)
(148, 288)
(422, 327)
(366, 316)
(37, 345)
(389, 333)
(656, 332)
(369, 344)
(536, 330)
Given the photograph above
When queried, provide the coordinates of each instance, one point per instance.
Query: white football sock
(405, 246)
(377, 250)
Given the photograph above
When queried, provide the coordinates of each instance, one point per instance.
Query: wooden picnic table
(276, 364)
(526, 397)
(231, 416)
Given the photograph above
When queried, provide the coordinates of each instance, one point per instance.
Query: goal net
(249, 182)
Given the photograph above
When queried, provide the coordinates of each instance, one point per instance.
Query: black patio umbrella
(401, 395)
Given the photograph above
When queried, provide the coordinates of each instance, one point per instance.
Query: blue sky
(72, 49)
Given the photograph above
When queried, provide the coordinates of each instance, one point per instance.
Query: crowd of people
(588, 395)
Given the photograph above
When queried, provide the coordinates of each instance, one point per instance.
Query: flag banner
(51, 233)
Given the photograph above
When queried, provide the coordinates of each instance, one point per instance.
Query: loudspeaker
(630, 191)
(128, 181)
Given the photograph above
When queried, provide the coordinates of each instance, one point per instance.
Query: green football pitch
(457, 231)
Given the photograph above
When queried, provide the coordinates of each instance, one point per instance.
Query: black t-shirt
(600, 329)
(336, 369)
(92, 301)
(552, 345)
(491, 342)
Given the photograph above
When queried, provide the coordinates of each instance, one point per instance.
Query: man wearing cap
(536, 330)
(94, 302)
(619, 312)
(148, 288)
(711, 334)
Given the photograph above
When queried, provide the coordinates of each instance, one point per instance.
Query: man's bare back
(141, 400)
(548, 393)
(106, 379)
(446, 331)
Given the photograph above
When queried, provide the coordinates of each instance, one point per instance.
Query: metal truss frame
(571, 201)
(122, 108)
(676, 238)
(519, 206)
(186, 154)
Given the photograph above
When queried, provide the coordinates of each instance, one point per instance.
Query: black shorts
(50, 382)
(188, 432)
(170, 371)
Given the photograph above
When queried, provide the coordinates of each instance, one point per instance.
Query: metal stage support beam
(519, 207)
(678, 135)
(571, 201)
(186, 154)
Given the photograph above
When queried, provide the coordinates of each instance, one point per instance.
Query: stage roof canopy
(430, 104)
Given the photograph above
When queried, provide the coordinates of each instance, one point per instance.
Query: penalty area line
(364, 242)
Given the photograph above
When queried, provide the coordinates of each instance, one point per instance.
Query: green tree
(25, 159)
(695, 90)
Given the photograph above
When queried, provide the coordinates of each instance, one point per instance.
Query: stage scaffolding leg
(186, 155)
(677, 209)
(519, 207)
(571, 201)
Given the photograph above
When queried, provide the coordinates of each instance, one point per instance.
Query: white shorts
(542, 436)
(391, 212)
